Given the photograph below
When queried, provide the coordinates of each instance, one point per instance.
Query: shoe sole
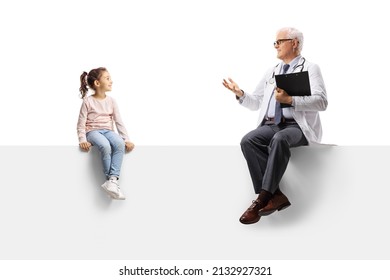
(281, 207)
(110, 194)
(114, 196)
(251, 222)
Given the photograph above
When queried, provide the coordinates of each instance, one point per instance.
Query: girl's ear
(96, 83)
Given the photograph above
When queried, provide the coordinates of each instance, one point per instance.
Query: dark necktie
(278, 108)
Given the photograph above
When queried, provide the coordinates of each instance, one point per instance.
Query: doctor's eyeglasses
(278, 42)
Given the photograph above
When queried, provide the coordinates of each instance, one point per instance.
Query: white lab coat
(306, 108)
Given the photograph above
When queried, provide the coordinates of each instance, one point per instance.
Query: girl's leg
(118, 150)
(97, 139)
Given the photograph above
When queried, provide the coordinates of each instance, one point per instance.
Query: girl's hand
(129, 146)
(85, 146)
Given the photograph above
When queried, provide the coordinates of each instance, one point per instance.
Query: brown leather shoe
(278, 202)
(251, 215)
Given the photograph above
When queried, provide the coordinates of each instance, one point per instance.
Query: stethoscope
(272, 80)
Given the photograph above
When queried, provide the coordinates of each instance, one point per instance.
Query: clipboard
(295, 84)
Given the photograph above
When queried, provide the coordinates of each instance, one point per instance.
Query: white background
(168, 58)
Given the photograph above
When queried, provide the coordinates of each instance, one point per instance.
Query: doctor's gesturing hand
(282, 97)
(232, 86)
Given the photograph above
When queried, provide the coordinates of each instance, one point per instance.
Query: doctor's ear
(295, 43)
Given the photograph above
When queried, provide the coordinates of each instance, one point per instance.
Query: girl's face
(105, 82)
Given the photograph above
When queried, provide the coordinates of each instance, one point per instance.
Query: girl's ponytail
(88, 80)
(83, 84)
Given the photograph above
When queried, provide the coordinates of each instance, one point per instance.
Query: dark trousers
(267, 152)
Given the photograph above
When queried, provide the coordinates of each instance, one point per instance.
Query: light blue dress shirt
(271, 106)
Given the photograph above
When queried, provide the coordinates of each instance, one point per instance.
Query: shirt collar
(292, 64)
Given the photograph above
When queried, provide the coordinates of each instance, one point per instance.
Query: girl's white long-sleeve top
(98, 114)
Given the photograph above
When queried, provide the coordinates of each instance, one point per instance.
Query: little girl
(95, 127)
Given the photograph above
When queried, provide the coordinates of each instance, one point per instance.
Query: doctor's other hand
(85, 146)
(282, 97)
(232, 86)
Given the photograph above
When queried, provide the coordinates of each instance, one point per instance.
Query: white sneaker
(120, 195)
(111, 187)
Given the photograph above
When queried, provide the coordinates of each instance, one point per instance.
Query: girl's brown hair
(88, 79)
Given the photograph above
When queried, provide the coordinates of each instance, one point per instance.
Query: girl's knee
(105, 149)
(119, 145)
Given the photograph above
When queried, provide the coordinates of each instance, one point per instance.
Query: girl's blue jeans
(112, 149)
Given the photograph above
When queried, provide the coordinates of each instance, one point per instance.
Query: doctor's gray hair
(293, 33)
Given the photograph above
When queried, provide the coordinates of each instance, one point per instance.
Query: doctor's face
(284, 47)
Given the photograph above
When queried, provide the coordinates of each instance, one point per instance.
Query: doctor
(267, 148)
